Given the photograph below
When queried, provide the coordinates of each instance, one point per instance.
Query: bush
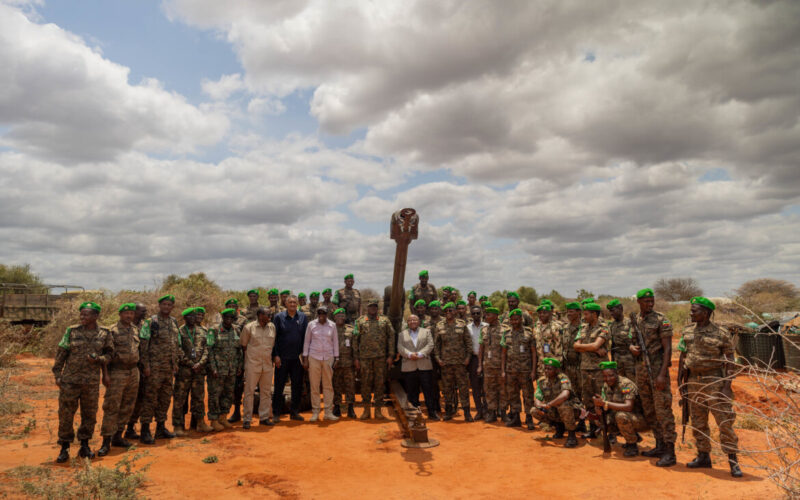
(768, 295)
(677, 289)
(19, 274)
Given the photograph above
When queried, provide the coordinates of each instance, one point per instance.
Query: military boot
(490, 416)
(193, 423)
(631, 450)
(591, 433)
(179, 430)
(668, 458)
(119, 442)
(162, 432)
(351, 413)
(736, 471)
(701, 461)
(63, 456)
(337, 410)
(448, 413)
(84, 450)
(468, 415)
(215, 425)
(105, 447)
(237, 415)
(366, 415)
(581, 427)
(514, 420)
(146, 437)
(379, 413)
(560, 429)
(655, 452)
(529, 422)
(202, 426)
(571, 441)
(131, 433)
(226, 422)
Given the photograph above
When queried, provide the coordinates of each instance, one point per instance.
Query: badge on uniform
(347, 342)
(626, 390)
(521, 348)
(546, 348)
(489, 355)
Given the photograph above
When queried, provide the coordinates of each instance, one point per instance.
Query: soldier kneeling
(623, 407)
(555, 402)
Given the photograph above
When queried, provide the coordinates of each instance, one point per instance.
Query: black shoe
(116, 440)
(237, 415)
(480, 414)
(736, 471)
(701, 461)
(572, 441)
(591, 433)
(105, 447)
(560, 429)
(84, 450)
(266, 421)
(581, 427)
(131, 433)
(296, 416)
(337, 410)
(668, 458)
(490, 417)
(468, 416)
(246, 425)
(162, 432)
(432, 415)
(146, 437)
(529, 423)
(63, 456)
(447, 416)
(193, 423)
(503, 416)
(351, 413)
(631, 450)
(514, 421)
(655, 452)
(612, 438)
(276, 419)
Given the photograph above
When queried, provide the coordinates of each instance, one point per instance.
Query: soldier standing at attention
(445, 294)
(548, 334)
(123, 387)
(472, 300)
(191, 376)
(285, 295)
(490, 364)
(83, 351)
(423, 290)
(620, 399)
(138, 318)
(349, 299)
(302, 300)
(591, 344)
(326, 300)
(555, 402)
(310, 309)
(258, 340)
(620, 336)
(159, 355)
(252, 308)
(224, 365)
(435, 311)
(375, 349)
(518, 368)
(572, 359)
(421, 310)
(453, 350)
(344, 375)
(513, 303)
(657, 332)
(461, 310)
(707, 355)
(238, 388)
(475, 326)
(274, 306)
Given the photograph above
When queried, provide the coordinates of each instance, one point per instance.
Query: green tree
(584, 294)
(20, 274)
(556, 298)
(528, 295)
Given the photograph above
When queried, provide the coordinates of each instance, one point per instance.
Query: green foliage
(211, 459)
(677, 289)
(19, 274)
(556, 298)
(584, 294)
(768, 295)
(528, 295)
(498, 300)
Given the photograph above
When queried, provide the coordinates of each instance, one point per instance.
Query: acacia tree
(675, 289)
(768, 295)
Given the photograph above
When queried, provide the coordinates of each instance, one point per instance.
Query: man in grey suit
(415, 346)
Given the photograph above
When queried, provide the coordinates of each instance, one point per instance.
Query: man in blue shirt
(290, 330)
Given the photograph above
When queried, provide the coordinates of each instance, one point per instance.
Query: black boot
(63, 456)
(84, 450)
(529, 422)
(631, 450)
(514, 421)
(130, 432)
(736, 471)
(504, 416)
(105, 447)
(655, 452)
(572, 441)
(146, 437)
(668, 458)
(468, 415)
(237, 415)
(162, 432)
(116, 440)
(560, 429)
(351, 413)
(434, 416)
(448, 413)
(193, 423)
(612, 438)
(337, 410)
(581, 426)
(592, 433)
(701, 461)
(490, 417)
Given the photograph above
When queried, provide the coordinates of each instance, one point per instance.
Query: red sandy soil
(354, 459)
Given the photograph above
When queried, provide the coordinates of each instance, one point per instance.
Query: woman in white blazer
(415, 346)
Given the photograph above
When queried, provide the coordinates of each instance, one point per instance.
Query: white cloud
(222, 89)
(265, 106)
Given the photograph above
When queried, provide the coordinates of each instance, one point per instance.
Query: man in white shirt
(320, 353)
(476, 379)
(415, 346)
(258, 339)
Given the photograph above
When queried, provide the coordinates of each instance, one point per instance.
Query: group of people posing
(563, 371)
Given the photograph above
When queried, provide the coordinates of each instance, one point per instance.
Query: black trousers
(476, 383)
(290, 369)
(420, 379)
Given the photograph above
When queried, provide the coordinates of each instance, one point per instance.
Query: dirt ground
(354, 459)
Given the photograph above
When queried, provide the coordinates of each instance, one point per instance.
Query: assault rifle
(645, 353)
(683, 389)
(604, 429)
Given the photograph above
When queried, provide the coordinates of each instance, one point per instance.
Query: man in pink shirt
(320, 354)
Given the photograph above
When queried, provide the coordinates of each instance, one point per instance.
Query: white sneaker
(331, 417)
(314, 416)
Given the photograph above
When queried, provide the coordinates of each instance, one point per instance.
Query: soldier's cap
(613, 303)
(232, 300)
(515, 312)
(645, 293)
(423, 273)
(434, 303)
(254, 290)
(552, 362)
(546, 301)
(449, 305)
(339, 311)
(327, 290)
(702, 301)
(492, 310)
(472, 293)
(420, 302)
(313, 294)
(188, 311)
(200, 309)
(461, 302)
(89, 305)
(349, 276)
(544, 306)
(272, 291)
(301, 295)
(228, 311)
(483, 298)
(486, 303)
(322, 309)
(286, 292)
(572, 305)
(512, 294)
(372, 302)
(592, 306)
(128, 306)
(168, 296)
(608, 365)
(587, 300)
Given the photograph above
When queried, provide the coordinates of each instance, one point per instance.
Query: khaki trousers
(320, 371)
(257, 373)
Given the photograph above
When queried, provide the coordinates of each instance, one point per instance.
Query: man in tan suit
(258, 339)
(415, 347)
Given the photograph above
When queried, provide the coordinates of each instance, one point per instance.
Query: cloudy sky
(555, 144)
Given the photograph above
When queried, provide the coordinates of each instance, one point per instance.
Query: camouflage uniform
(591, 376)
(493, 386)
(311, 312)
(192, 343)
(706, 351)
(344, 375)
(350, 301)
(251, 313)
(519, 365)
(548, 338)
(426, 293)
(121, 393)
(79, 378)
(275, 309)
(549, 389)
(452, 348)
(224, 358)
(620, 336)
(527, 319)
(657, 407)
(572, 358)
(435, 326)
(627, 422)
(137, 407)
(375, 341)
(160, 353)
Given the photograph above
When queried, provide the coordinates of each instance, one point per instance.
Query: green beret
(546, 301)
(447, 288)
(512, 294)
(327, 290)
(486, 303)
(89, 305)
(129, 306)
(492, 310)
(339, 311)
(461, 302)
(613, 303)
(349, 276)
(272, 291)
(301, 295)
(254, 290)
(419, 302)
(483, 298)
(228, 311)
(515, 312)
(449, 305)
(608, 365)
(435, 303)
(372, 302)
(588, 300)
(572, 305)
(644, 293)
(313, 294)
(544, 307)
(286, 292)
(703, 302)
(166, 297)
(232, 300)
(188, 311)
(592, 306)
(472, 293)
(552, 362)
(423, 273)
(200, 309)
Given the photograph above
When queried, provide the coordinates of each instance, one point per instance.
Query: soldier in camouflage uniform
(423, 290)
(238, 387)
(513, 303)
(251, 313)
(421, 310)
(555, 402)
(284, 295)
(375, 348)
(706, 364)
(472, 300)
(138, 320)
(433, 324)
(657, 332)
(349, 299)
(591, 343)
(274, 305)
(83, 351)
(310, 309)
(302, 301)
(518, 368)
(123, 374)
(191, 376)
(159, 354)
(548, 334)
(225, 363)
(461, 310)
(490, 364)
(571, 366)
(620, 399)
(326, 300)
(344, 376)
(620, 337)
(453, 349)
